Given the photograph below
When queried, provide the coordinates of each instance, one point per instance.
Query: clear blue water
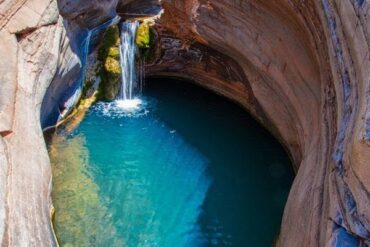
(189, 169)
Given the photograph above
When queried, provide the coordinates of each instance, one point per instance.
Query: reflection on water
(187, 168)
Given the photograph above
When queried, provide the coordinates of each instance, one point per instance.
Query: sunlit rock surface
(30, 34)
(37, 47)
(301, 67)
(306, 77)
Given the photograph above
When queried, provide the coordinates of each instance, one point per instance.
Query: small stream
(186, 167)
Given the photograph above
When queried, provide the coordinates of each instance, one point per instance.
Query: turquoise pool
(189, 168)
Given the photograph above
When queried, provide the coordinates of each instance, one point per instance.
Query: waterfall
(130, 80)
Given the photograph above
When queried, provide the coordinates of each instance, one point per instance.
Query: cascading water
(131, 82)
(61, 98)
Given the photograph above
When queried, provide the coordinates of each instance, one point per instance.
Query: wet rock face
(87, 13)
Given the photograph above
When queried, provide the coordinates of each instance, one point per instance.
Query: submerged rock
(77, 196)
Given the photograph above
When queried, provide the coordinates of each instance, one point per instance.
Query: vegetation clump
(114, 52)
(110, 71)
(112, 66)
(143, 36)
(102, 80)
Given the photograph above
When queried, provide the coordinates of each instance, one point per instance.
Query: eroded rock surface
(307, 66)
(301, 67)
(87, 13)
(41, 65)
(30, 33)
(138, 8)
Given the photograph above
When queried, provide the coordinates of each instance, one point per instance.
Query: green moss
(110, 71)
(143, 36)
(112, 66)
(114, 52)
(151, 53)
(110, 39)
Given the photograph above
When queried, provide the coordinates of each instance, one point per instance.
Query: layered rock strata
(30, 33)
(37, 48)
(306, 66)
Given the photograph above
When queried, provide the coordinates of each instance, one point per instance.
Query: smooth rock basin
(189, 168)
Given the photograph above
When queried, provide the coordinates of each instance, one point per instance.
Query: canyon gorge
(301, 68)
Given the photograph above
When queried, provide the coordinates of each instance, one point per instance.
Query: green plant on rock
(143, 36)
(110, 40)
(112, 67)
(145, 41)
(114, 52)
(110, 71)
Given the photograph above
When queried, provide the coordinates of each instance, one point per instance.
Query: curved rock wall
(30, 33)
(301, 67)
(306, 65)
(37, 47)
(77, 49)
(88, 14)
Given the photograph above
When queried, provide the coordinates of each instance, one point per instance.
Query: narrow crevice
(5, 133)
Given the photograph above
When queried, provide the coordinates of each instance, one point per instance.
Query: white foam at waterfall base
(125, 108)
(129, 105)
